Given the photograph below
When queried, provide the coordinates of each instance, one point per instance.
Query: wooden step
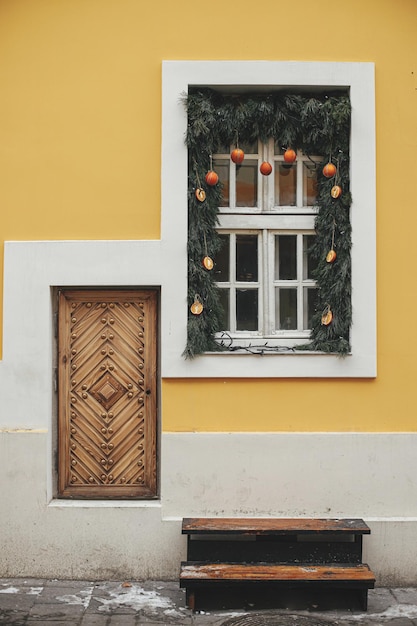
(245, 557)
(275, 540)
(199, 578)
(272, 526)
(267, 572)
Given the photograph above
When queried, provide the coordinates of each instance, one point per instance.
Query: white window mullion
(299, 190)
(268, 280)
(232, 185)
(232, 277)
(300, 302)
(263, 282)
(263, 185)
(269, 180)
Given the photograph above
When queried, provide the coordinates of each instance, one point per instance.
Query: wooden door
(107, 386)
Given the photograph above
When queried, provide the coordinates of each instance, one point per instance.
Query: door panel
(107, 358)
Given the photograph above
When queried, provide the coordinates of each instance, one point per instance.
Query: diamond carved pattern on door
(107, 393)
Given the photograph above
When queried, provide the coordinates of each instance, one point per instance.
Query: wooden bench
(229, 554)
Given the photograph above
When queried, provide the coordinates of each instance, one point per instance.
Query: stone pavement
(83, 603)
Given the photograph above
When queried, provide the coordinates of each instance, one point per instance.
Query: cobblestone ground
(83, 603)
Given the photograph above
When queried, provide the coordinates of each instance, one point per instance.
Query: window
(265, 271)
(270, 301)
(357, 79)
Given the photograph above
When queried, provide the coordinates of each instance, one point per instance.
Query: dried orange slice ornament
(197, 306)
(336, 191)
(327, 316)
(200, 194)
(331, 256)
(208, 263)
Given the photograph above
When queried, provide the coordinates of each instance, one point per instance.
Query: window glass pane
(246, 258)
(222, 260)
(285, 257)
(309, 184)
(247, 183)
(286, 308)
(285, 184)
(310, 301)
(278, 149)
(247, 309)
(225, 303)
(309, 264)
(222, 168)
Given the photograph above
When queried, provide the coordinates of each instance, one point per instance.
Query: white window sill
(274, 365)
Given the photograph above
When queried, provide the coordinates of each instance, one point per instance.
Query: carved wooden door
(107, 386)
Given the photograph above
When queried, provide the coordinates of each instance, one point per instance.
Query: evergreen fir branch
(316, 124)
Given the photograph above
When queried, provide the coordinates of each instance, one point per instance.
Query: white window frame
(233, 285)
(300, 283)
(267, 332)
(243, 75)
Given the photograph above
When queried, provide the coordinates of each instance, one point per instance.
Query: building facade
(109, 436)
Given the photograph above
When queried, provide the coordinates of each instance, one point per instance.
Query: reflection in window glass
(225, 304)
(247, 184)
(309, 184)
(285, 184)
(310, 301)
(309, 263)
(222, 168)
(222, 260)
(246, 257)
(247, 309)
(285, 257)
(286, 308)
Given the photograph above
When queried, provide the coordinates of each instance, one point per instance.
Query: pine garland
(316, 124)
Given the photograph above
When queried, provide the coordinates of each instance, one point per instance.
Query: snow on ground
(81, 599)
(138, 599)
(34, 591)
(408, 611)
(10, 590)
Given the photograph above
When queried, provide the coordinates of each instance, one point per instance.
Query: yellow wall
(80, 138)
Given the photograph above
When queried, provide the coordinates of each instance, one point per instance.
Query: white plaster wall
(76, 540)
(300, 475)
(372, 475)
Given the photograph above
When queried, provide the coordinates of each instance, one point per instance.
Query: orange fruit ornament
(336, 191)
(329, 170)
(237, 156)
(289, 155)
(265, 168)
(212, 178)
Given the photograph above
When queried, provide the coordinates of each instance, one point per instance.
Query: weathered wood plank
(273, 526)
(357, 575)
